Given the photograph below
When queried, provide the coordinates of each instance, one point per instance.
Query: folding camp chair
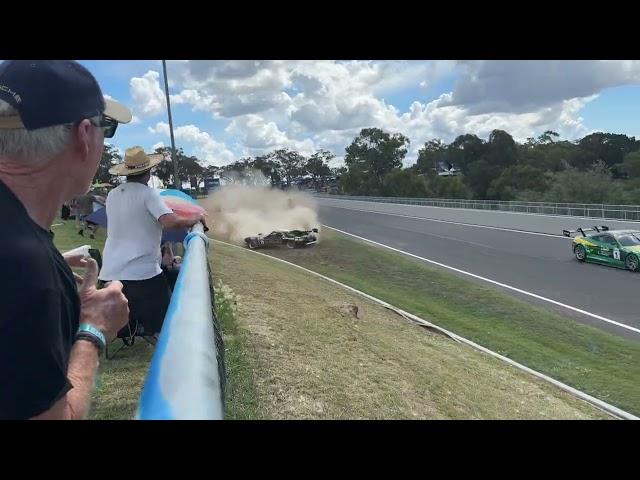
(128, 336)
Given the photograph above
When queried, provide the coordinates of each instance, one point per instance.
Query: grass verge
(309, 349)
(240, 391)
(601, 364)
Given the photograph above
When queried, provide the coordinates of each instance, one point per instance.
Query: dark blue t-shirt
(39, 314)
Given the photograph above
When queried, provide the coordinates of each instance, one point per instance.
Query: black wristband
(90, 338)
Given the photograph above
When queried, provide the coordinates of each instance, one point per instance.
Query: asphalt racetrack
(541, 264)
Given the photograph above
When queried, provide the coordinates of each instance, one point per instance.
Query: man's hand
(75, 260)
(202, 219)
(106, 309)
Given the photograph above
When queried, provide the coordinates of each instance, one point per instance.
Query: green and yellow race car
(618, 248)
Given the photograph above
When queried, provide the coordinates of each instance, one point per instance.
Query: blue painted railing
(185, 381)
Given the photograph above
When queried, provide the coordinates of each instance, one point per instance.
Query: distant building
(449, 173)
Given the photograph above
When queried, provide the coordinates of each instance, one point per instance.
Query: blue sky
(616, 110)
(224, 110)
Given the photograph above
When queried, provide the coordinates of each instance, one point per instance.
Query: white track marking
(503, 285)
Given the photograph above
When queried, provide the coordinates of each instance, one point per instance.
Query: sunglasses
(108, 124)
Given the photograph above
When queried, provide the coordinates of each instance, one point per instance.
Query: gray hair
(31, 147)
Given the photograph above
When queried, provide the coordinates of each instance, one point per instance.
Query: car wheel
(580, 253)
(291, 244)
(251, 245)
(632, 263)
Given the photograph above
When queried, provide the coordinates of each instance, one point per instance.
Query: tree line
(280, 168)
(598, 168)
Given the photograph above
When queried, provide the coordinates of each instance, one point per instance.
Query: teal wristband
(85, 327)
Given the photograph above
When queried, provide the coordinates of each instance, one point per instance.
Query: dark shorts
(148, 303)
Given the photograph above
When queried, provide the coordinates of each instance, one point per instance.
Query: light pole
(174, 158)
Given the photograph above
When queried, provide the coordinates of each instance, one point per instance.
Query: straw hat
(136, 161)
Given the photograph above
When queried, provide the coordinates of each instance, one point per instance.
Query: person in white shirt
(136, 217)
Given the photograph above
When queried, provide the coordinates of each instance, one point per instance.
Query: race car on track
(618, 248)
(290, 238)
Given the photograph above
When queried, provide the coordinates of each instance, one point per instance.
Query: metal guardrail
(186, 374)
(608, 212)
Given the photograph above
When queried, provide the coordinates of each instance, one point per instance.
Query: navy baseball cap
(53, 92)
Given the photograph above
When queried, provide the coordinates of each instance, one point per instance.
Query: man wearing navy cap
(53, 121)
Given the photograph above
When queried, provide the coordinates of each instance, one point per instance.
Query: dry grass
(585, 357)
(313, 358)
(119, 383)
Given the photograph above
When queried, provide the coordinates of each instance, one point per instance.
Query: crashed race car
(617, 248)
(290, 238)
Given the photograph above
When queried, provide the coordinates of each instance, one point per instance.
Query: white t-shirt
(132, 249)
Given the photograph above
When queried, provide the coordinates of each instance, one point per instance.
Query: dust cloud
(239, 211)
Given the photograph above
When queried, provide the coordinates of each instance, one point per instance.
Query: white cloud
(260, 136)
(327, 89)
(439, 119)
(147, 95)
(308, 105)
(570, 119)
(196, 100)
(231, 88)
(256, 133)
(332, 101)
(526, 85)
(157, 145)
(205, 147)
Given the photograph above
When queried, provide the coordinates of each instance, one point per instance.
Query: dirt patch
(346, 310)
